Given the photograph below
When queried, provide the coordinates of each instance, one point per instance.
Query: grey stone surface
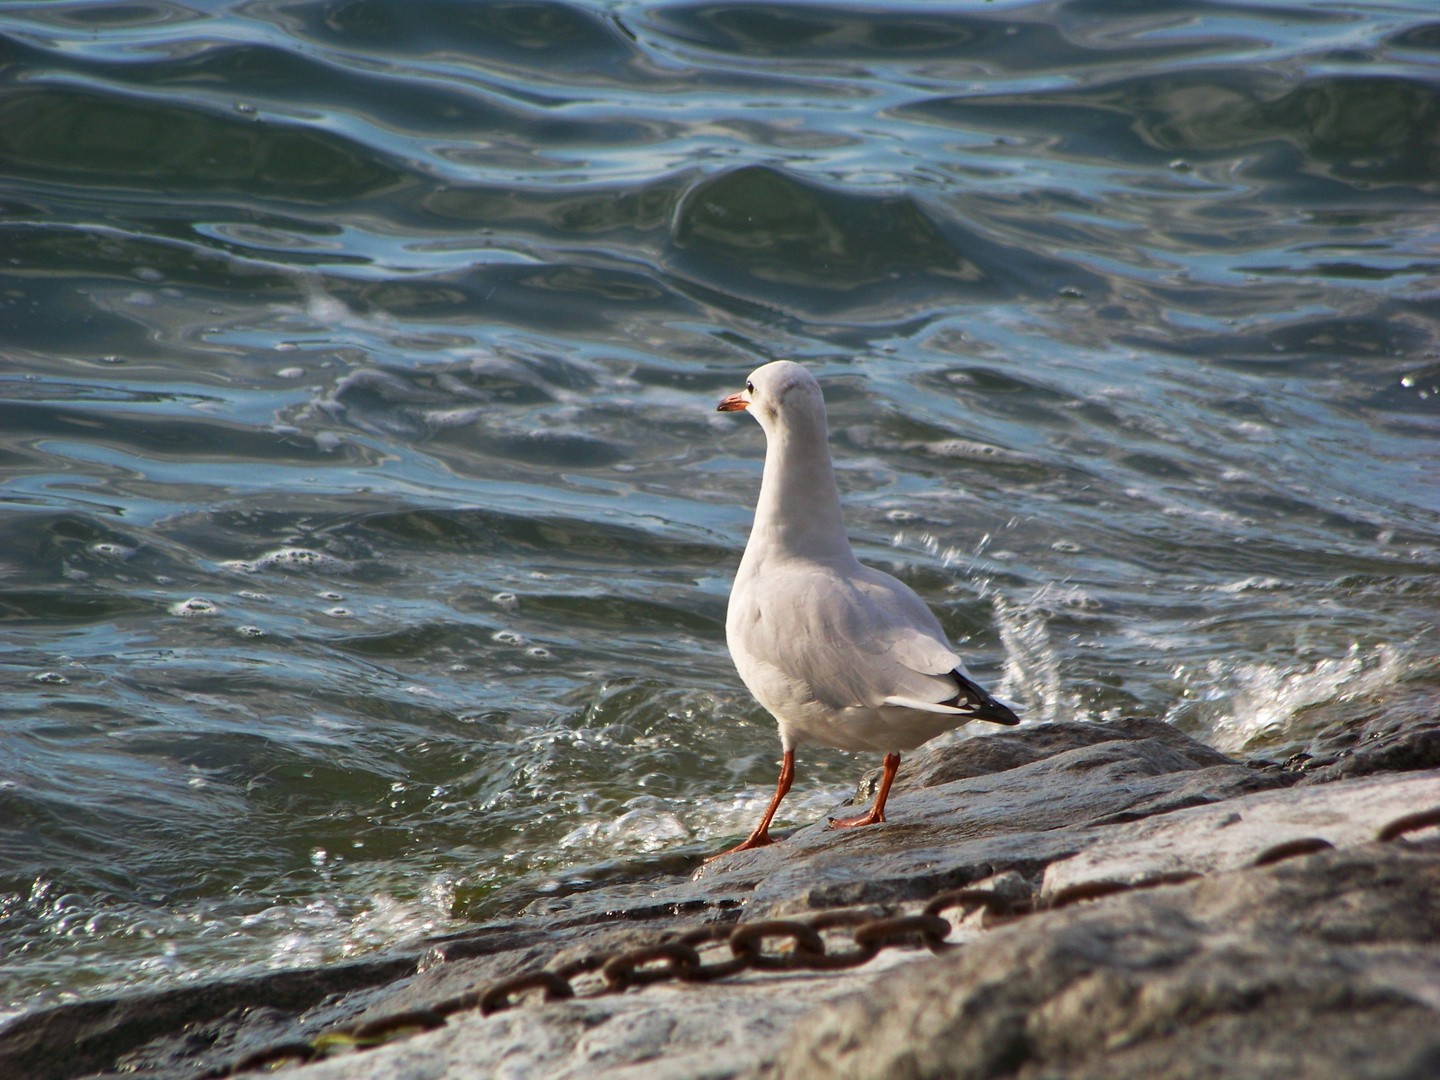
(665, 1032)
(1320, 959)
(1390, 742)
(981, 751)
(1035, 796)
(1234, 834)
(1323, 966)
(189, 1028)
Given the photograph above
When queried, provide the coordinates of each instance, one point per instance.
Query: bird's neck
(798, 513)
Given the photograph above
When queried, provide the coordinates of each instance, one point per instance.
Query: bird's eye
(749, 386)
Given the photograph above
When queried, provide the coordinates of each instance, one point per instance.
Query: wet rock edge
(951, 824)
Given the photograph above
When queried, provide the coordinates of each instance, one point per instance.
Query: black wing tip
(997, 713)
(981, 704)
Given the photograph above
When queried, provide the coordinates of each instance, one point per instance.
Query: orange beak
(733, 403)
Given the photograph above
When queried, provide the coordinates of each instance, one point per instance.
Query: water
(367, 525)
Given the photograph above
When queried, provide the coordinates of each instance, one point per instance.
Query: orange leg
(877, 812)
(761, 836)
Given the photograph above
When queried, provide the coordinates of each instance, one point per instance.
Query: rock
(712, 1031)
(190, 1026)
(1390, 742)
(1246, 970)
(1240, 832)
(1324, 966)
(1021, 817)
(980, 751)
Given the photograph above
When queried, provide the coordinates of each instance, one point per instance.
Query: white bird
(839, 653)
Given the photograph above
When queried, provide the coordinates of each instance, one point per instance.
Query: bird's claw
(871, 818)
(755, 840)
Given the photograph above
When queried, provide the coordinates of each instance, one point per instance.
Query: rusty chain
(680, 958)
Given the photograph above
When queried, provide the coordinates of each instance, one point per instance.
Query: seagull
(839, 653)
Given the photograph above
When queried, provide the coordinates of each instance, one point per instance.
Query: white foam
(649, 823)
(292, 559)
(1032, 666)
(1252, 583)
(124, 946)
(645, 829)
(1251, 701)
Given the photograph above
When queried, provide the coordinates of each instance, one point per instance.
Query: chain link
(993, 902)
(680, 959)
(1409, 823)
(1290, 850)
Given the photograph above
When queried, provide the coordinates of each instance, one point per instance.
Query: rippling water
(367, 525)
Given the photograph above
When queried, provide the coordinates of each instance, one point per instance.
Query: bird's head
(782, 394)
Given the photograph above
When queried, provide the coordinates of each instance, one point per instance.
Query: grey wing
(856, 639)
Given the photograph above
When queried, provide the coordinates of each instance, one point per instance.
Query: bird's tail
(981, 705)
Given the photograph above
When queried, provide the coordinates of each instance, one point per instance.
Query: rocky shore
(1135, 904)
